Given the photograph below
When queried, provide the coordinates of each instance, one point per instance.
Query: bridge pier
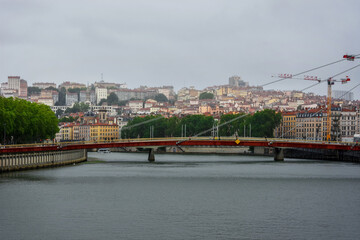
(278, 154)
(151, 157)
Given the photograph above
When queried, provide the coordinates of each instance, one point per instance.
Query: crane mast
(330, 82)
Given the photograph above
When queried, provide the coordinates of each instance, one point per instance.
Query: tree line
(25, 122)
(262, 124)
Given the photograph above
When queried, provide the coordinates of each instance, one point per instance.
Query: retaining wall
(30, 160)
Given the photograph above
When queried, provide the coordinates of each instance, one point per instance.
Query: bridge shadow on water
(193, 160)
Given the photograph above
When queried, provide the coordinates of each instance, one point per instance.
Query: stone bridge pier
(278, 154)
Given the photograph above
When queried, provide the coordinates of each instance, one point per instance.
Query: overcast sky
(181, 43)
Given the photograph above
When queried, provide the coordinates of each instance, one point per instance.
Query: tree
(75, 90)
(78, 107)
(171, 127)
(102, 101)
(112, 99)
(59, 112)
(167, 127)
(33, 90)
(26, 122)
(161, 98)
(52, 88)
(123, 102)
(84, 107)
(264, 122)
(143, 130)
(206, 95)
(67, 119)
(62, 97)
(195, 124)
(234, 127)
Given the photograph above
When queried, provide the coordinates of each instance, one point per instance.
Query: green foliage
(52, 88)
(62, 97)
(102, 101)
(171, 127)
(112, 99)
(67, 119)
(235, 127)
(123, 102)
(167, 127)
(75, 90)
(27, 122)
(161, 98)
(59, 112)
(262, 124)
(206, 95)
(33, 90)
(195, 124)
(143, 130)
(78, 107)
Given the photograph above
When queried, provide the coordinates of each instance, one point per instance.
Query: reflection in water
(122, 196)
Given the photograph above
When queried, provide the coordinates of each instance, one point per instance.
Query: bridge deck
(258, 142)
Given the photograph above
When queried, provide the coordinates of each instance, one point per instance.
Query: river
(122, 196)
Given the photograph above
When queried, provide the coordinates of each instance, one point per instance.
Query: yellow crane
(330, 82)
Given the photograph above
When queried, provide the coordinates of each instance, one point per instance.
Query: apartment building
(104, 132)
(71, 98)
(43, 85)
(311, 124)
(101, 93)
(348, 124)
(287, 128)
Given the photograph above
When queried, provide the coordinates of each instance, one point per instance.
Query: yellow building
(92, 132)
(311, 124)
(104, 132)
(240, 92)
(287, 127)
(66, 132)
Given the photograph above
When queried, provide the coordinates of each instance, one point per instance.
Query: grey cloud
(154, 43)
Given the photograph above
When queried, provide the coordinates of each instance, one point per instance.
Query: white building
(14, 82)
(9, 93)
(71, 98)
(135, 105)
(348, 123)
(101, 93)
(49, 101)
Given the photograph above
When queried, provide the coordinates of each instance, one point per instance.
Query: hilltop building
(235, 81)
(339, 94)
(44, 85)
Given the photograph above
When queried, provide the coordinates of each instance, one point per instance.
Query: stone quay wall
(31, 160)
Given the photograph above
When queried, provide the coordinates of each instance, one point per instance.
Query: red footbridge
(277, 144)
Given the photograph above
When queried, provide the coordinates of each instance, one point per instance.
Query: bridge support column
(151, 157)
(278, 154)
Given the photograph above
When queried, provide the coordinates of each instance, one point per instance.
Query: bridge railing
(180, 139)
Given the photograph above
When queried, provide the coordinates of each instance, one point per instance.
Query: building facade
(71, 98)
(101, 93)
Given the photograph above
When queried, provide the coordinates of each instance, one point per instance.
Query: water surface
(122, 196)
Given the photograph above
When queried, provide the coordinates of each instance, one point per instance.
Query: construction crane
(330, 82)
(350, 57)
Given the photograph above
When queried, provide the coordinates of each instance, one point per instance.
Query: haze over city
(183, 43)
